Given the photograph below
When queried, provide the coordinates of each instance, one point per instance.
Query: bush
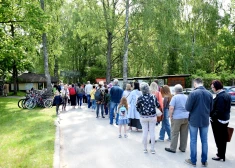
(226, 77)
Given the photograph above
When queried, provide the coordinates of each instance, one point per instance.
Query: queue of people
(188, 114)
(182, 115)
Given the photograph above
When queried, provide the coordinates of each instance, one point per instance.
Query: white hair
(178, 88)
(115, 81)
(144, 87)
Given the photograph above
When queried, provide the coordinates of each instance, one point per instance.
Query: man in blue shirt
(115, 97)
(199, 105)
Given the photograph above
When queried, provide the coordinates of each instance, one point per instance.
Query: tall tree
(45, 54)
(126, 43)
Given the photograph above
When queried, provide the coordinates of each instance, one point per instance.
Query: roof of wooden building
(35, 78)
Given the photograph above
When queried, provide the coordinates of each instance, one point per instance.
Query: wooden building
(28, 80)
(170, 80)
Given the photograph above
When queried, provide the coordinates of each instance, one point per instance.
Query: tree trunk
(108, 56)
(46, 68)
(56, 68)
(109, 29)
(14, 67)
(126, 43)
(45, 54)
(15, 77)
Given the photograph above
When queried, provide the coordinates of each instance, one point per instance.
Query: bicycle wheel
(48, 103)
(30, 104)
(23, 103)
(20, 103)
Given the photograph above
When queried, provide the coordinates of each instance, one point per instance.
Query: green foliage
(165, 37)
(226, 77)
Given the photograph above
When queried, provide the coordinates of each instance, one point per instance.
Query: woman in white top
(133, 114)
(127, 92)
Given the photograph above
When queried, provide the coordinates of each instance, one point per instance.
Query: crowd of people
(182, 115)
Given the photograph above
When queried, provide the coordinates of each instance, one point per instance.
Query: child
(57, 101)
(122, 119)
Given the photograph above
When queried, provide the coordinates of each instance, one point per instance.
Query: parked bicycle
(35, 98)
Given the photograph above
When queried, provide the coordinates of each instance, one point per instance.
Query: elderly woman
(220, 116)
(146, 105)
(179, 120)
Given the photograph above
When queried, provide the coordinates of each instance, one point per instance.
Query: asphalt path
(87, 142)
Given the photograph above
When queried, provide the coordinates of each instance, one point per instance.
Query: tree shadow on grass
(29, 132)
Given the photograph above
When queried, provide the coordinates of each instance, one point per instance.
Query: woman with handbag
(220, 116)
(166, 128)
(146, 105)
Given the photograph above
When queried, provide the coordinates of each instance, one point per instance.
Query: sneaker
(205, 164)
(153, 151)
(159, 140)
(145, 151)
(188, 161)
(125, 136)
(169, 140)
(120, 136)
(103, 117)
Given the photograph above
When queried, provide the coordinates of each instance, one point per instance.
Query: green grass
(26, 136)
(19, 93)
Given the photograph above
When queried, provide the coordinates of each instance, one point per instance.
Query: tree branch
(11, 21)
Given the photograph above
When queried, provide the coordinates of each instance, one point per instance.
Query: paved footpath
(87, 142)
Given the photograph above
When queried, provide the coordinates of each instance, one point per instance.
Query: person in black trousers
(220, 116)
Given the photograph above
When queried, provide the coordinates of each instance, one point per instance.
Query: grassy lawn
(26, 136)
(19, 93)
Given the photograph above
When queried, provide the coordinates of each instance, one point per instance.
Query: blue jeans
(79, 99)
(106, 109)
(112, 107)
(203, 131)
(88, 100)
(117, 117)
(98, 106)
(93, 104)
(165, 126)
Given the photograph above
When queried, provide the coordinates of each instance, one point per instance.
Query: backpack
(64, 94)
(72, 91)
(107, 98)
(122, 111)
(98, 95)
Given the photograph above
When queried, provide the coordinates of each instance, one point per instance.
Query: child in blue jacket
(57, 101)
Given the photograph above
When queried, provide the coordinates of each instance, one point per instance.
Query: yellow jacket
(92, 93)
